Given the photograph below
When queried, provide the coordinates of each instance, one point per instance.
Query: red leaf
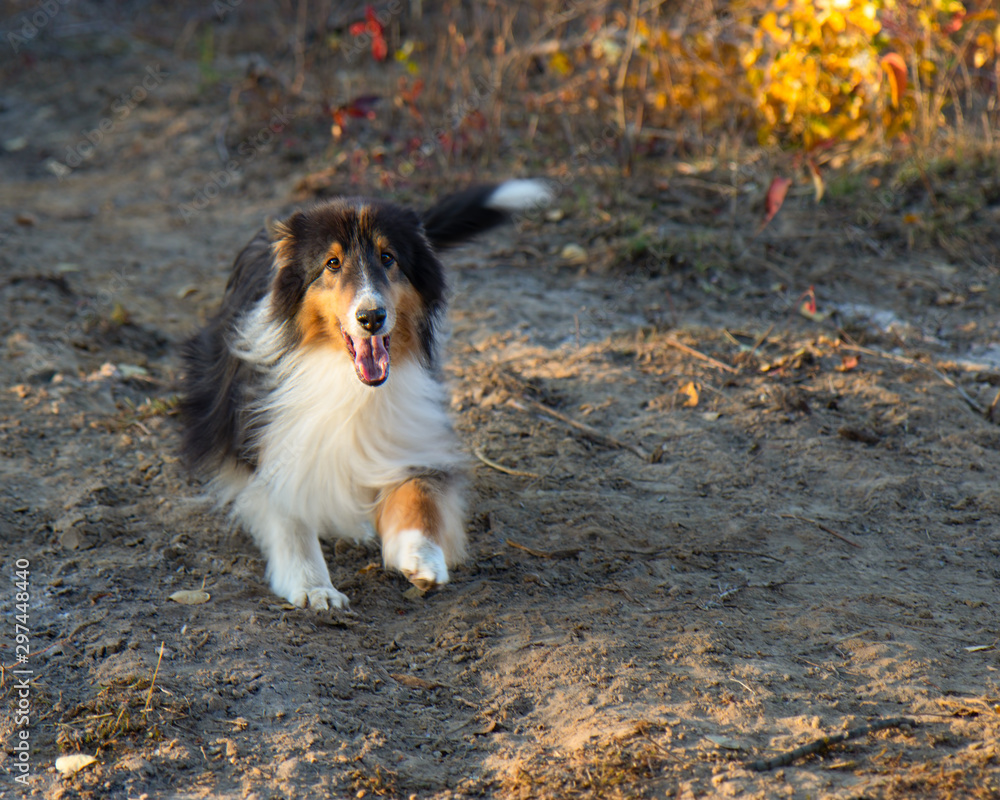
(895, 71)
(373, 24)
(380, 49)
(775, 197)
(809, 301)
(357, 28)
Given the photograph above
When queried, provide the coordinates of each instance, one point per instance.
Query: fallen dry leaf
(775, 197)
(573, 253)
(725, 742)
(809, 310)
(413, 682)
(191, 597)
(70, 765)
(690, 391)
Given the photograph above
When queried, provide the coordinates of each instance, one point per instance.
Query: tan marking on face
(324, 305)
(410, 506)
(364, 218)
(381, 242)
(335, 250)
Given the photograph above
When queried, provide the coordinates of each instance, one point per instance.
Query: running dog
(313, 401)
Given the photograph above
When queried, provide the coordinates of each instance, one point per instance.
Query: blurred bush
(802, 73)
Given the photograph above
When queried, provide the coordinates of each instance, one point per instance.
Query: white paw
(417, 557)
(318, 598)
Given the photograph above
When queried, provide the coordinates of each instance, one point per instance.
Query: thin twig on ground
(591, 433)
(819, 745)
(823, 528)
(542, 553)
(991, 411)
(744, 553)
(152, 683)
(669, 340)
(478, 453)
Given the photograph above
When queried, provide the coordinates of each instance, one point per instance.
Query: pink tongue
(371, 359)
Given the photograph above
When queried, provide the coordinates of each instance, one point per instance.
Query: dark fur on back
(217, 385)
(220, 388)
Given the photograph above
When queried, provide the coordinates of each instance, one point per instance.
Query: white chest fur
(330, 444)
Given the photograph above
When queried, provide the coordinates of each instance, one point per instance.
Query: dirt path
(812, 545)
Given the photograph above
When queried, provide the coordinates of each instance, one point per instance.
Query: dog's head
(358, 275)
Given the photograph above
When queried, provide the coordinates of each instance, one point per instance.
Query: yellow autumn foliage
(814, 69)
(805, 72)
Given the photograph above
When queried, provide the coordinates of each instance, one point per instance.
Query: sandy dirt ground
(712, 528)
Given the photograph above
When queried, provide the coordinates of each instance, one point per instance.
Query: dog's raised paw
(418, 558)
(319, 598)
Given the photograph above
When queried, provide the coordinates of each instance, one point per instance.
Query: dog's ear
(285, 235)
(289, 281)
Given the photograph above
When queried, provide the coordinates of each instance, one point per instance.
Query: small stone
(573, 253)
(414, 593)
(136, 763)
(70, 540)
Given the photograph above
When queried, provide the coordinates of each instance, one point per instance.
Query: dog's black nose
(371, 319)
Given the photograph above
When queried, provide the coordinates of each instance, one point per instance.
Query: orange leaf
(775, 197)
(691, 394)
(847, 363)
(895, 71)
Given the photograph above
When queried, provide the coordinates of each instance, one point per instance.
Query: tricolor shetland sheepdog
(312, 400)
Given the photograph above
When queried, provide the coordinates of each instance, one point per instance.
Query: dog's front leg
(420, 525)
(296, 568)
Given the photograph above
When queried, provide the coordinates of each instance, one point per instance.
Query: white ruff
(330, 444)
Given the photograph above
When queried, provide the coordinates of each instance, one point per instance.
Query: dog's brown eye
(333, 263)
(388, 259)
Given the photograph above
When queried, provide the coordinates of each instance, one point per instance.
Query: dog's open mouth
(371, 357)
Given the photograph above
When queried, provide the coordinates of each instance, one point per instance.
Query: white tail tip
(520, 195)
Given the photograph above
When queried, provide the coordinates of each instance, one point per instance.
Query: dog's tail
(462, 215)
